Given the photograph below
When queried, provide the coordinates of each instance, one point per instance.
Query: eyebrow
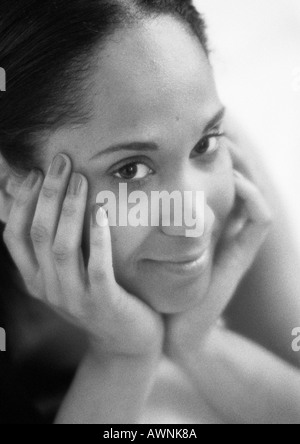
(151, 146)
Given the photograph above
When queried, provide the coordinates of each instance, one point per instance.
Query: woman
(83, 77)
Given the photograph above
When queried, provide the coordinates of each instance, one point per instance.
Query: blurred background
(256, 56)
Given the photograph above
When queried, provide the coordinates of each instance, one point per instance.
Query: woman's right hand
(44, 236)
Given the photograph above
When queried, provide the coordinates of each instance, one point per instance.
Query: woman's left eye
(209, 144)
(133, 171)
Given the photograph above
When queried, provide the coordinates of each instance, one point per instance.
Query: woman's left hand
(243, 236)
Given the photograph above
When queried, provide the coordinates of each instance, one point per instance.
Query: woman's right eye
(133, 171)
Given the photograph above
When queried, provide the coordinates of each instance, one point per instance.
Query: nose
(204, 222)
(189, 214)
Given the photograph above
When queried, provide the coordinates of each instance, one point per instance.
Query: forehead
(151, 75)
(152, 82)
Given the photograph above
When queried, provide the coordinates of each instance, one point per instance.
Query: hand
(244, 234)
(44, 237)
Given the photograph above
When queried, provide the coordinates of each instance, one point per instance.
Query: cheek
(125, 243)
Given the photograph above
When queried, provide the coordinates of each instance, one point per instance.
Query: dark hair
(46, 49)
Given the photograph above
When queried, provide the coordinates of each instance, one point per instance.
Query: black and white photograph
(150, 214)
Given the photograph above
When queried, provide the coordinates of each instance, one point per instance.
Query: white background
(256, 51)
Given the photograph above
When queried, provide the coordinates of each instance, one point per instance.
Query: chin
(177, 297)
(168, 293)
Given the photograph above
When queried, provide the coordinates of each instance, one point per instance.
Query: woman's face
(154, 84)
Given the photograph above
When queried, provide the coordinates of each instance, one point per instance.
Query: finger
(100, 266)
(46, 217)
(17, 231)
(258, 219)
(251, 218)
(240, 160)
(235, 255)
(258, 209)
(67, 252)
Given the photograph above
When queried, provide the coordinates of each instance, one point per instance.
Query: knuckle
(27, 234)
(96, 242)
(61, 253)
(49, 192)
(98, 274)
(69, 210)
(39, 234)
(21, 199)
(9, 236)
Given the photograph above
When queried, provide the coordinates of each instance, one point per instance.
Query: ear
(9, 185)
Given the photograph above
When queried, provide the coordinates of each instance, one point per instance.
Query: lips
(181, 260)
(193, 267)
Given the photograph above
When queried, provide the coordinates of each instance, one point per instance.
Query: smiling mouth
(188, 258)
(192, 267)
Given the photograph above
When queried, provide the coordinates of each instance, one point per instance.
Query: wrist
(148, 349)
(100, 357)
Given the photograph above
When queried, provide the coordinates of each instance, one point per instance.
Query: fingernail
(32, 179)
(99, 216)
(75, 184)
(58, 166)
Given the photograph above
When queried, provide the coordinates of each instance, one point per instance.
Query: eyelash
(133, 182)
(218, 134)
